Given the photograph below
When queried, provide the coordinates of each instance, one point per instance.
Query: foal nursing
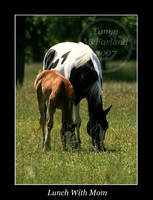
(55, 91)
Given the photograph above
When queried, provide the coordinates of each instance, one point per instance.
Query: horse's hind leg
(77, 120)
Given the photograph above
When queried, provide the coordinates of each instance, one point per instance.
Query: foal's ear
(107, 110)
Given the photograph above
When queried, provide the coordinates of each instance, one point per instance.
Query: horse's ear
(107, 110)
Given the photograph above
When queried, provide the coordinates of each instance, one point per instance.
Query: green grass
(118, 165)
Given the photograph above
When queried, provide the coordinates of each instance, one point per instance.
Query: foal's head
(68, 134)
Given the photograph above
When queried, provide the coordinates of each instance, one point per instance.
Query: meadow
(118, 165)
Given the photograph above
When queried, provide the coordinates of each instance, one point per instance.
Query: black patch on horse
(54, 64)
(64, 56)
(49, 57)
(82, 79)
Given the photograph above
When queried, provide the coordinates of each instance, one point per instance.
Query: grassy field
(118, 165)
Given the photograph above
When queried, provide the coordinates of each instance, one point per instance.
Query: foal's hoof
(76, 147)
(65, 149)
(46, 148)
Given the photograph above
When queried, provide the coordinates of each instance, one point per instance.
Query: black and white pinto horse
(78, 63)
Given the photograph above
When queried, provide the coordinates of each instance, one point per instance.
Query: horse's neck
(95, 104)
(95, 112)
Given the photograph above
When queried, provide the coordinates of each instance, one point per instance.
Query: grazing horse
(52, 87)
(78, 63)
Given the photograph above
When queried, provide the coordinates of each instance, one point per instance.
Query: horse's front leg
(93, 144)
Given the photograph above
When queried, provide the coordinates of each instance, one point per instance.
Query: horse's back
(78, 63)
(78, 53)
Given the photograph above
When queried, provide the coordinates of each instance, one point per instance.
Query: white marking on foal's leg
(51, 111)
(47, 144)
(47, 113)
(77, 120)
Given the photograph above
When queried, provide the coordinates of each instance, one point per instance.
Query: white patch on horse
(79, 55)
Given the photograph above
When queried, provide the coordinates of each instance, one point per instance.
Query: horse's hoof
(102, 149)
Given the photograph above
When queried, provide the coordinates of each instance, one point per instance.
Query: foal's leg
(63, 138)
(66, 117)
(42, 119)
(51, 111)
(77, 120)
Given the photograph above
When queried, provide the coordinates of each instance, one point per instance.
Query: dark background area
(36, 34)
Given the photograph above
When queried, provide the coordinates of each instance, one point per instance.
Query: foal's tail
(39, 78)
(37, 86)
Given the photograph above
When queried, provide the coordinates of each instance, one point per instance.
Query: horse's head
(97, 129)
